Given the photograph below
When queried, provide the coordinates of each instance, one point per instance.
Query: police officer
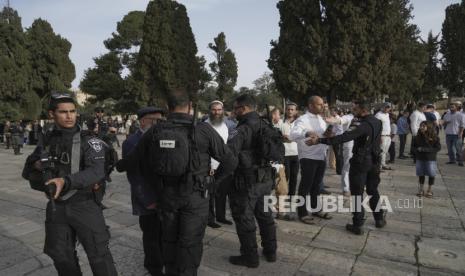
(364, 165)
(78, 164)
(248, 191)
(17, 137)
(143, 196)
(182, 200)
(97, 124)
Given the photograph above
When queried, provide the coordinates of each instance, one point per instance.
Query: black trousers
(81, 220)
(312, 175)
(339, 158)
(392, 152)
(217, 203)
(151, 240)
(291, 167)
(402, 142)
(183, 219)
(247, 205)
(361, 177)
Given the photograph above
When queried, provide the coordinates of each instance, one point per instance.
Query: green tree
(295, 58)
(224, 68)
(167, 56)
(431, 88)
(17, 100)
(452, 49)
(266, 92)
(52, 67)
(126, 42)
(346, 49)
(104, 81)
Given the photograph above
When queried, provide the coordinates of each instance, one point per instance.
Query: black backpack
(174, 149)
(269, 142)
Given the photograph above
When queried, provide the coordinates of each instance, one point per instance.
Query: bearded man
(219, 192)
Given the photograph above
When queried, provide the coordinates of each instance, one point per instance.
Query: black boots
(248, 261)
(357, 230)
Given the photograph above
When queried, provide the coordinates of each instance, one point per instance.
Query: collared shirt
(384, 118)
(305, 123)
(415, 120)
(402, 126)
(338, 128)
(290, 148)
(454, 121)
(222, 130)
(346, 121)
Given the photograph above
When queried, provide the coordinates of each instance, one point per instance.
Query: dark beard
(216, 120)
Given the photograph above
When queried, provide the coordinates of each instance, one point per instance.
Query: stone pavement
(416, 241)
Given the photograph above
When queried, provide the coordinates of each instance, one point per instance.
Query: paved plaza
(416, 241)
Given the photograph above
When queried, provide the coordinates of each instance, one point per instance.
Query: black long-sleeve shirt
(361, 132)
(92, 160)
(209, 144)
(424, 150)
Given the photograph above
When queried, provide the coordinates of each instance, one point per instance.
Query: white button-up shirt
(384, 118)
(290, 149)
(222, 130)
(305, 123)
(415, 120)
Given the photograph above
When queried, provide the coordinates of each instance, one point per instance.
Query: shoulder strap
(75, 161)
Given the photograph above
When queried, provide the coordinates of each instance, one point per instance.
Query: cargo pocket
(59, 242)
(101, 242)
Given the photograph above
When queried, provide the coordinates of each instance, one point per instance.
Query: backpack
(270, 146)
(174, 151)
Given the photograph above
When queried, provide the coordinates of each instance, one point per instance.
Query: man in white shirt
(312, 158)
(341, 125)
(218, 194)
(383, 116)
(416, 118)
(454, 124)
(291, 159)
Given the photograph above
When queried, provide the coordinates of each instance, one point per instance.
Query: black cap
(149, 110)
(58, 97)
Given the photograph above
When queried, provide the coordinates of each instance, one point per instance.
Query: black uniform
(183, 201)
(364, 165)
(102, 126)
(17, 137)
(79, 217)
(251, 184)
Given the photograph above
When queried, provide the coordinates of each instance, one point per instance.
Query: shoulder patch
(96, 144)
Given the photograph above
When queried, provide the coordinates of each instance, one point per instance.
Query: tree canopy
(224, 69)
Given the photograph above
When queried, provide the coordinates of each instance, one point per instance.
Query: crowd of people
(182, 172)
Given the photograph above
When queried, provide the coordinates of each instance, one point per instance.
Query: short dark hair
(291, 103)
(178, 97)
(420, 104)
(362, 104)
(58, 97)
(246, 100)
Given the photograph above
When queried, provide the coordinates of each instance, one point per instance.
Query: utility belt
(77, 197)
(190, 183)
(245, 178)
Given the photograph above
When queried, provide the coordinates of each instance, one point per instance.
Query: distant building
(81, 97)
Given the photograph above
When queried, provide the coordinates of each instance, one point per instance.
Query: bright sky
(249, 26)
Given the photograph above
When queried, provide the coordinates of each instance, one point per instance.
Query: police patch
(96, 144)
